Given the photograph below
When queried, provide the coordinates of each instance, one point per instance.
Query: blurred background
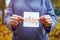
(6, 34)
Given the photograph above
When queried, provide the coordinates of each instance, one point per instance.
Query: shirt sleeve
(50, 11)
(9, 13)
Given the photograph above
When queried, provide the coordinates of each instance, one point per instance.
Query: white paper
(31, 19)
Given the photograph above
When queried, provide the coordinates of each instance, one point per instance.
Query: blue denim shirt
(44, 7)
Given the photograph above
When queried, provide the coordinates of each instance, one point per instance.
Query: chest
(26, 5)
(30, 6)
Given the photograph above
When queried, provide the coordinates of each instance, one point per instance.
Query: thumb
(20, 18)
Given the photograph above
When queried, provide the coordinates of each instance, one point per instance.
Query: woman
(14, 19)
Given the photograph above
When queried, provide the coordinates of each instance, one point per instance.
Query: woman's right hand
(15, 20)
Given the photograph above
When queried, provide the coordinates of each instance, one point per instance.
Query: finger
(14, 15)
(48, 23)
(17, 16)
(49, 20)
(42, 19)
(20, 18)
(14, 18)
(13, 21)
(47, 17)
(13, 24)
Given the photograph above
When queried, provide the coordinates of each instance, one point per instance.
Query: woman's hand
(15, 20)
(46, 20)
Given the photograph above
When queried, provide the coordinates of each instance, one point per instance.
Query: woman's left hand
(46, 20)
